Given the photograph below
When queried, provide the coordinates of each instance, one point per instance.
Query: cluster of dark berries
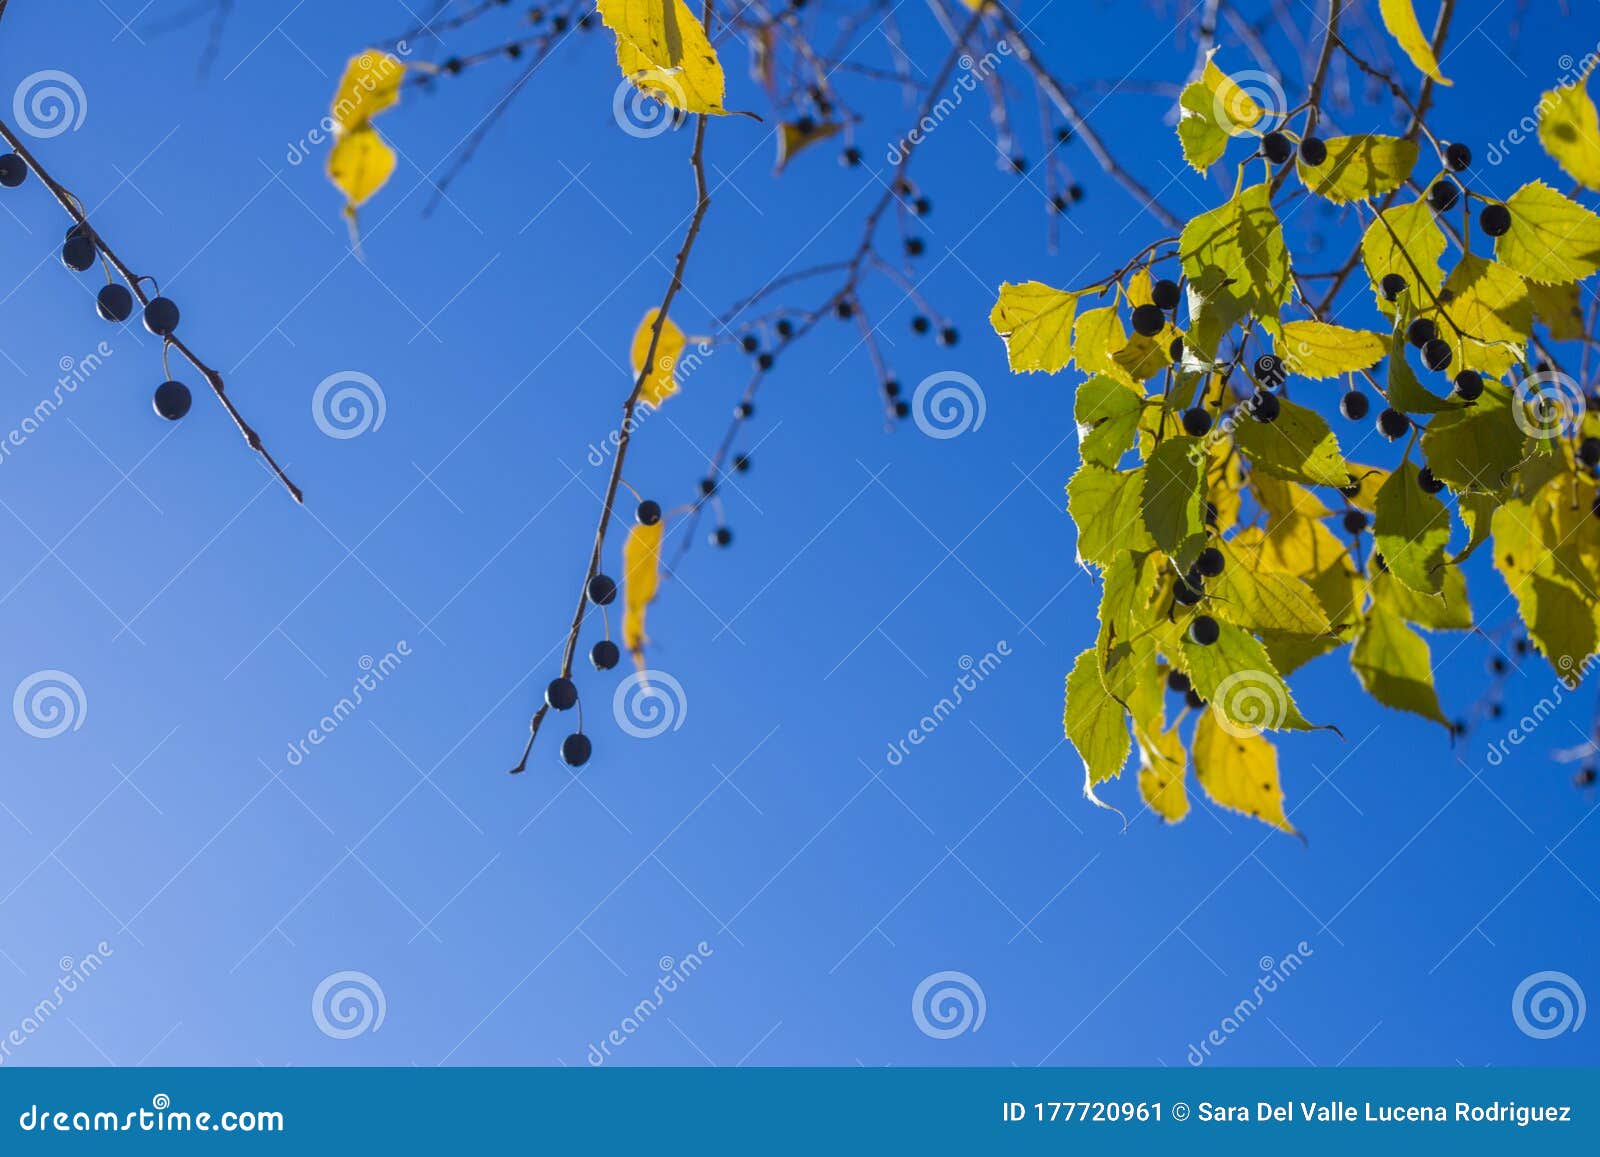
(1179, 683)
(1150, 318)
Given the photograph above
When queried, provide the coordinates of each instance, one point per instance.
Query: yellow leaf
(664, 51)
(1552, 238)
(1360, 167)
(793, 138)
(1162, 761)
(1212, 109)
(1035, 321)
(1560, 308)
(1569, 129)
(1095, 723)
(1406, 231)
(370, 84)
(659, 383)
(1400, 18)
(359, 164)
(1095, 342)
(641, 577)
(1489, 316)
(1239, 772)
(1318, 350)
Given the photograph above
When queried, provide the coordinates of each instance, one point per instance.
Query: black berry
(1392, 423)
(851, 157)
(1443, 196)
(1457, 157)
(914, 247)
(785, 327)
(708, 487)
(12, 171)
(1313, 151)
(1148, 320)
(1204, 630)
(161, 316)
(1426, 480)
(721, 536)
(114, 302)
(1469, 385)
(602, 590)
(1210, 562)
(649, 512)
(172, 400)
(741, 463)
(1276, 148)
(561, 694)
(1392, 286)
(1192, 698)
(1186, 594)
(744, 410)
(1175, 350)
(1177, 681)
(1269, 371)
(844, 310)
(1495, 219)
(948, 336)
(604, 655)
(922, 206)
(1354, 405)
(1436, 355)
(576, 749)
(1355, 521)
(749, 344)
(920, 324)
(77, 253)
(1165, 294)
(1589, 451)
(1196, 422)
(764, 360)
(1421, 331)
(1264, 407)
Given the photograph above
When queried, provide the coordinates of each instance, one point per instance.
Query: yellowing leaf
(1097, 336)
(1316, 349)
(1478, 446)
(358, 165)
(1552, 238)
(1239, 772)
(1297, 447)
(1393, 663)
(664, 51)
(370, 84)
(1447, 611)
(1237, 679)
(1212, 109)
(1162, 762)
(1569, 129)
(659, 383)
(1408, 242)
(1257, 598)
(1104, 505)
(1488, 318)
(1360, 167)
(641, 577)
(1560, 308)
(1107, 414)
(1236, 262)
(1410, 530)
(1035, 322)
(793, 138)
(1095, 724)
(1400, 18)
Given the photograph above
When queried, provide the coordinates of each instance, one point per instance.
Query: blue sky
(210, 623)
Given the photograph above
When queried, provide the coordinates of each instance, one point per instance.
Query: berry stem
(213, 379)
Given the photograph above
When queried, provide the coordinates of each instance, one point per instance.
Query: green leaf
(1360, 167)
(1410, 530)
(1447, 611)
(1251, 596)
(1552, 238)
(1036, 323)
(1297, 447)
(1107, 412)
(1095, 723)
(1239, 682)
(1488, 318)
(1235, 259)
(1477, 515)
(1478, 446)
(1104, 505)
(1406, 393)
(1174, 498)
(1393, 663)
(1315, 349)
(1569, 129)
(1412, 231)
